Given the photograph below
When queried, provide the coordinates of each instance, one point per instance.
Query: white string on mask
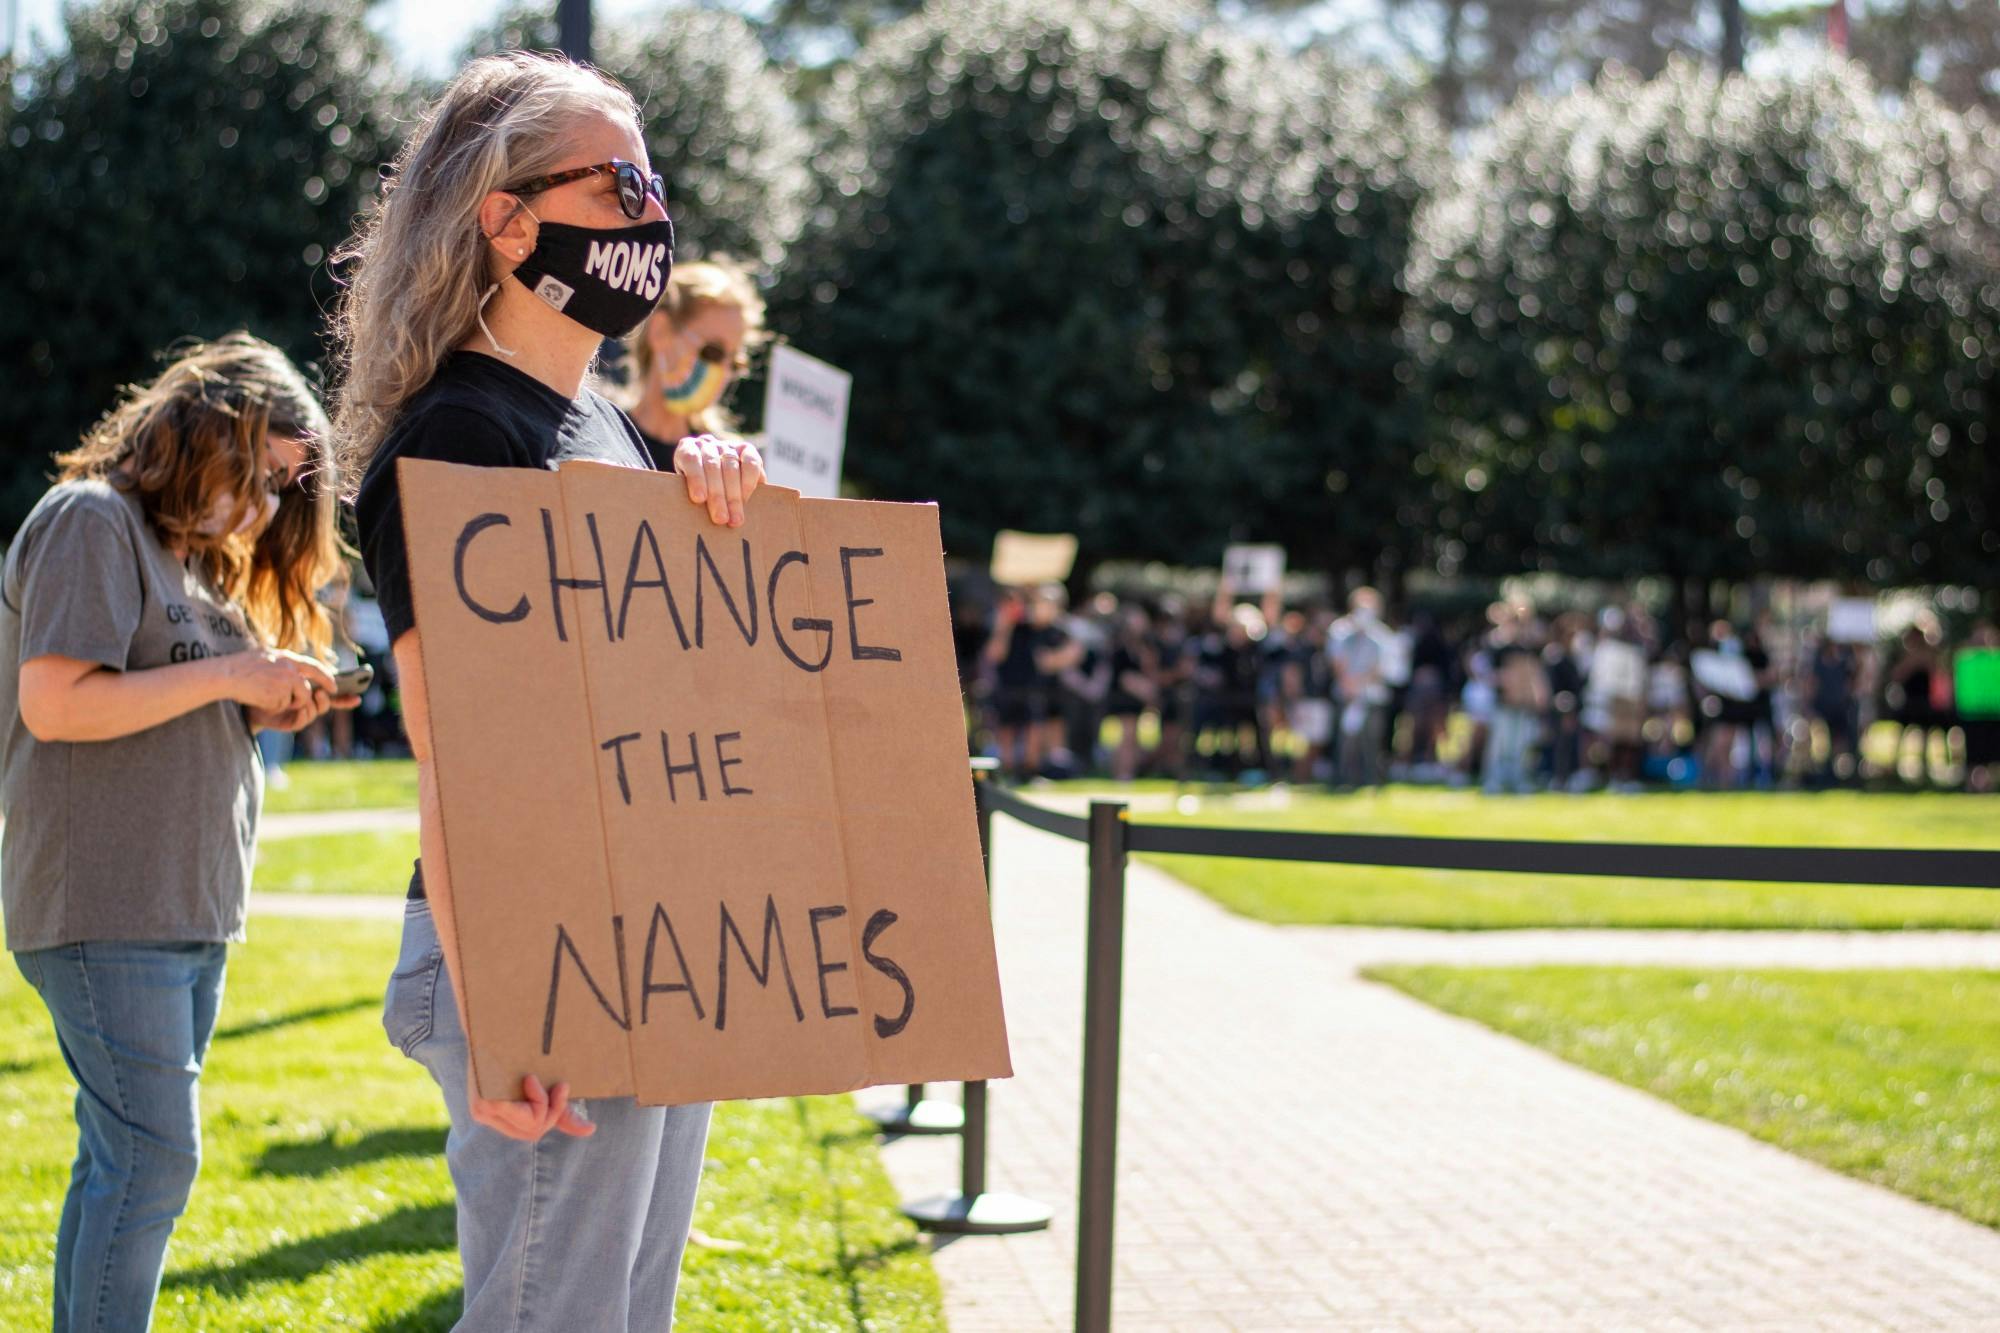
(481, 316)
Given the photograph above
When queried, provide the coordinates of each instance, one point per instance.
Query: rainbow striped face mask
(698, 392)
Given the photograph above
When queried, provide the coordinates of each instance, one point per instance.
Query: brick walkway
(1301, 1149)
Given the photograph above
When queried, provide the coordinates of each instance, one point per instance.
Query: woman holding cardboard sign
(480, 295)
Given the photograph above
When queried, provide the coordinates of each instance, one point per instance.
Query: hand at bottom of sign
(539, 1112)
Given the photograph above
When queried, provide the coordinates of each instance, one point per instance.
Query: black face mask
(607, 279)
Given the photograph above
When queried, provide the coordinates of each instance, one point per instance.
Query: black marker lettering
(881, 921)
(564, 942)
(557, 582)
(826, 1006)
(723, 763)
(617, 746)
(647, 989)
(693, 765)
(644, 537)
(762, 973)
(800, 623)
(863, 652)
(465, 535)
(748, 629)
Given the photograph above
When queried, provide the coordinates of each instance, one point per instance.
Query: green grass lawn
(324, 1202)
(1893, 1077)
(1289, 893)
(343, 784)
(364, 862)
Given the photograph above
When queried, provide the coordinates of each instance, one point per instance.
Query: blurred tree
(1670, 329)
(178, 167)
(1951, 47)
(1478, 55)
(719, 125)
(1098, 269)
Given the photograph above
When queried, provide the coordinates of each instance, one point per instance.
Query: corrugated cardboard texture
(707, 813)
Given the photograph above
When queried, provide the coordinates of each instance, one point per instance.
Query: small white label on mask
(555, 292)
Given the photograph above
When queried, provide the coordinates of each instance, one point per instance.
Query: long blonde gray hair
(417, 267)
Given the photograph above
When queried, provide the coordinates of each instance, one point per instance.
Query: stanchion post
(1103, 988)
(973, 1211)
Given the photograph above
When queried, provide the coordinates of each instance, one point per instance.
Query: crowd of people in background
(1516, 700)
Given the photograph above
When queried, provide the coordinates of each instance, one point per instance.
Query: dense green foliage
(1123, 271)
(1112, 271)
(182, 167)
(1716, 328)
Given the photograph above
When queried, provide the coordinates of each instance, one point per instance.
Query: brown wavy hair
(198, 432)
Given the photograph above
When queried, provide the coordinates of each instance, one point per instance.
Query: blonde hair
(692, 288)
(198, 431)
(420, 261)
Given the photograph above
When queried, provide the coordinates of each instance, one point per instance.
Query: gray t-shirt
(149, 836)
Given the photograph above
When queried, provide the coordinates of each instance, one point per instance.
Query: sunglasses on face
(717, 354)
(634, 185)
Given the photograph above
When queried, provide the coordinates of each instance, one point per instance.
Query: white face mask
(215, 522)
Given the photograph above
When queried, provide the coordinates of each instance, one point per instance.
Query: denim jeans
(582, 1235)
(133, 1021)
(1508, 740)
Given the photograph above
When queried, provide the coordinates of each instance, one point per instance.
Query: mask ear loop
(507, 352)
(480, 314)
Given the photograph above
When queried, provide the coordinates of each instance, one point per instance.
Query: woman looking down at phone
(158, 607)
(473, 314)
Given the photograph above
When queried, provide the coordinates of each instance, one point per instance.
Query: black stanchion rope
(1879, 866)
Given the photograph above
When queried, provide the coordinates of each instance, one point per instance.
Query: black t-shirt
(481, 411)
(1019, 669)
(659, 450)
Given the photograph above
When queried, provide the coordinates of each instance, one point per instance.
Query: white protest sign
(805, 423)
(1725, 674)
(1851, 620)
(1254, 569)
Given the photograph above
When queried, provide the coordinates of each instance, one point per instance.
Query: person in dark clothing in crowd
(1226, 676)
(1916, 683)
(1833, 674)
(1027, 651)
(1134, 686)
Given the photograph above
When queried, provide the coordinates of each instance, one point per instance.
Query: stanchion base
(978, 1214)
(929, 1116)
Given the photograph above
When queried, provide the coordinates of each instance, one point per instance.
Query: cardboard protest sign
(805, 422)
(1023, 559)
(707, 813)
(1254, 569)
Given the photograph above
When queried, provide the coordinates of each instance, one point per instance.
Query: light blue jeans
(1508, 739)
(582, 1235)
(133, 1021)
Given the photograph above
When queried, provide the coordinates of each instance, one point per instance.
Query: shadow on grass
(414, 1229)
(849, 1264)
(322, 1156)
(438, 1312)
(8, 1068)
(276, 1021)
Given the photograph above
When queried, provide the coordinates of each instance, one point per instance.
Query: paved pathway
(1302, 1149)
